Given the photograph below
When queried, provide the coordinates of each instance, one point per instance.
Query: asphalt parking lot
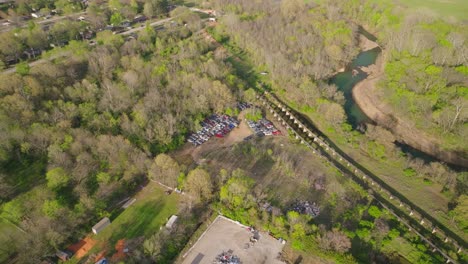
(224, 235)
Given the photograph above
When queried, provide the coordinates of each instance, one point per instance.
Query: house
(101, 225)
(62, 255)
(125, 24)
(139, 19)
(102, 261)
(212, 19)
(170, 223)
(88, 34)
(10, 60)
(32, 53)
(128, 203)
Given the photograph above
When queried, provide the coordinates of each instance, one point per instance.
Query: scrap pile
(227, 258)
(263, 128)
(243, 106)
(304, 207)
(215, 125)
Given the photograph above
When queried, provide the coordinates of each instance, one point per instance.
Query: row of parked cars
(215, 125)
(263, 128)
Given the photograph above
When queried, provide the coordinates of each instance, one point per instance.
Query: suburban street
(125, 33)
(41, 21)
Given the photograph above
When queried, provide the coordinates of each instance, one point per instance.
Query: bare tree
(335, 240)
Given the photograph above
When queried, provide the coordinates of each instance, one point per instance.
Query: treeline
(298, 43)
(92, 122)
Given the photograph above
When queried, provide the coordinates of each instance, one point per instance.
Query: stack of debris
(227, 258)
(304, 207)
(243, 106)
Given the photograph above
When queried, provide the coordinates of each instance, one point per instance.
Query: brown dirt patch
(119, 254)
(81, 248)
(236, 135)
(100, 256)
(366, 44)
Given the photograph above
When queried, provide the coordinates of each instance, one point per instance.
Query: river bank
(366, 96)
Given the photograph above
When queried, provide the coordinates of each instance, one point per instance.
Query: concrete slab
(224, 235)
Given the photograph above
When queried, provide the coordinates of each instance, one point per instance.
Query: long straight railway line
(435, 235)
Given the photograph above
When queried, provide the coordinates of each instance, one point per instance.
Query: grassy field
(445, 8)
(7, 231)
(24, 175)
(150, 211)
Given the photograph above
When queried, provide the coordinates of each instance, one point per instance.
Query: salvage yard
(224, 235)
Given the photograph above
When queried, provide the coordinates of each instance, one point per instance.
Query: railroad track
(435, 235)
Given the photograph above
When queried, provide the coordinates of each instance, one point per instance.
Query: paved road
(155, 23)
(125, 33)
(41, 21)
(31, 64)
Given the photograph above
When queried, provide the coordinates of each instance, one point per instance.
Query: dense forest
(298, 43)
(82, 130)
(94, 123)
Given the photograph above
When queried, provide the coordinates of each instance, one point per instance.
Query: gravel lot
(223, 235)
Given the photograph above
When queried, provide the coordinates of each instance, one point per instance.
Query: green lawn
(151, 210)
(7, 232)
(24, 174)
(445, 8)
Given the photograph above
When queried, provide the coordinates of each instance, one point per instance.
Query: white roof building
(170, 223)
(101, 225)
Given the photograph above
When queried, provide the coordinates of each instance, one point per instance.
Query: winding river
(347, 80)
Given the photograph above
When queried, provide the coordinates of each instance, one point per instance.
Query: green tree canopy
(460, 212)
(57, 178)
(199, 184)
(236, 192)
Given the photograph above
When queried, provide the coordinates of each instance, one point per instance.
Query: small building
(170, 223)
(212, 19)
(139, 19)
(102, 261)
(125, 24)
(62, 255)
(101, 225)
(128, 203)
(32, 53)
